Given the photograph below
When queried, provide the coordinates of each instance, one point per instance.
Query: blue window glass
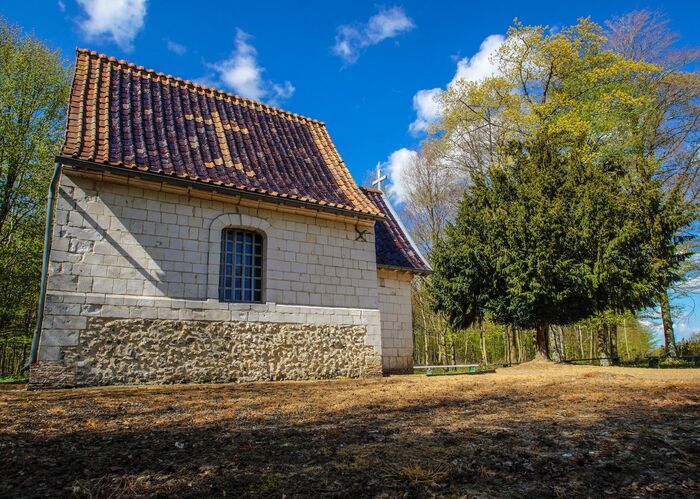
(240, 275)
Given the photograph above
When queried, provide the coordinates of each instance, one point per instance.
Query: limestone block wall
(397, 320)
(123, 251)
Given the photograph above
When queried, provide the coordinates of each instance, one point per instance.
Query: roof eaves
(399, 268)
(238, 190)
(428, 269)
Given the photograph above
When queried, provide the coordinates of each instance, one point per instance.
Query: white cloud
(397, 167)
(117, 20)
(243, 74)
(427, 108)
(241, 71)
(175, 48)
(689, 286)
(480, 65)
(692, 284)
(283, 91)
(351, 39)
(682, 328)
(388, 24)
(472, 69)
(653, 324)
(61, 6)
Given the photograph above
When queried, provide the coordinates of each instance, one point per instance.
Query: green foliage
(553, 227)
(12, 379)
(667, 141)
(547, 240)
(689, 346)
(34, 84)
(676, 364)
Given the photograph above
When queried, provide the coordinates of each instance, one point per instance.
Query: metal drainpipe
(53, 187)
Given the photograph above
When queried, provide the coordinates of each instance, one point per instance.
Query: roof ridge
(372, 189)
(160, 74)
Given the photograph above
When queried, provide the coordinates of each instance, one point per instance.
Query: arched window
(241, 269)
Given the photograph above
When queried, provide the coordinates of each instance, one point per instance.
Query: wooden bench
(429, 369)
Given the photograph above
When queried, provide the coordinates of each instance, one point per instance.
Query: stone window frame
(243, 222)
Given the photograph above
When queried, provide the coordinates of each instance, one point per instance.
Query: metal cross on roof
(380, 178)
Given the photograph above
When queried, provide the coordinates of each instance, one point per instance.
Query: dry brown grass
(537, 430)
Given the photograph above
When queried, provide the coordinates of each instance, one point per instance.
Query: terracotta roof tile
(127, 116)
(393, 245)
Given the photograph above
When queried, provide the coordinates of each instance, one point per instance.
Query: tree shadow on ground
(248, 440)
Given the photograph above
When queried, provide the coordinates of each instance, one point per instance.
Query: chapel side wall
(397, 320)
(124, 252)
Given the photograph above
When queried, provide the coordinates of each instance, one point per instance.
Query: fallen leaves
(556, 432)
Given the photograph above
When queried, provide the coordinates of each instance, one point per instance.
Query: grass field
(533, 431)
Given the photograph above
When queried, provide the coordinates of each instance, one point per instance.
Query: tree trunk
(426, 347)
(454, 350)
(669, 337)
(441, 358)
(627, 343)
(482, 343)
(466, 347)
(522, 352)
(514, 354)
(425, 334)
(542, 342)
(556, 340)
(612, 336)
(580, 341)
(562, 337)
(603, 344)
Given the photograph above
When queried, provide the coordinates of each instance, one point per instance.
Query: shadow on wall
(104, 234)
(135, 248)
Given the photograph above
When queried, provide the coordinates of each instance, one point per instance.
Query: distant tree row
(690, 346)
(487, 343)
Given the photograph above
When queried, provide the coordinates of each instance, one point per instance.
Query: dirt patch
(12, 387)
(532, 431)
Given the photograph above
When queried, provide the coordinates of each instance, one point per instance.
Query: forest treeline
(436, 342)
(556, 200)
(34, 83)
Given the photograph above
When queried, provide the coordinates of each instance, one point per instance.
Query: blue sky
(366, 68)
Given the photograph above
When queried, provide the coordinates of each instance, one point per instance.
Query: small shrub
(676, 363)
(13, 378)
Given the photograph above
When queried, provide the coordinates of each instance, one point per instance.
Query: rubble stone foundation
(128, 351)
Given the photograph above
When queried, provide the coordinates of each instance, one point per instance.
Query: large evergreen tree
(550, 229)
(548, 240)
